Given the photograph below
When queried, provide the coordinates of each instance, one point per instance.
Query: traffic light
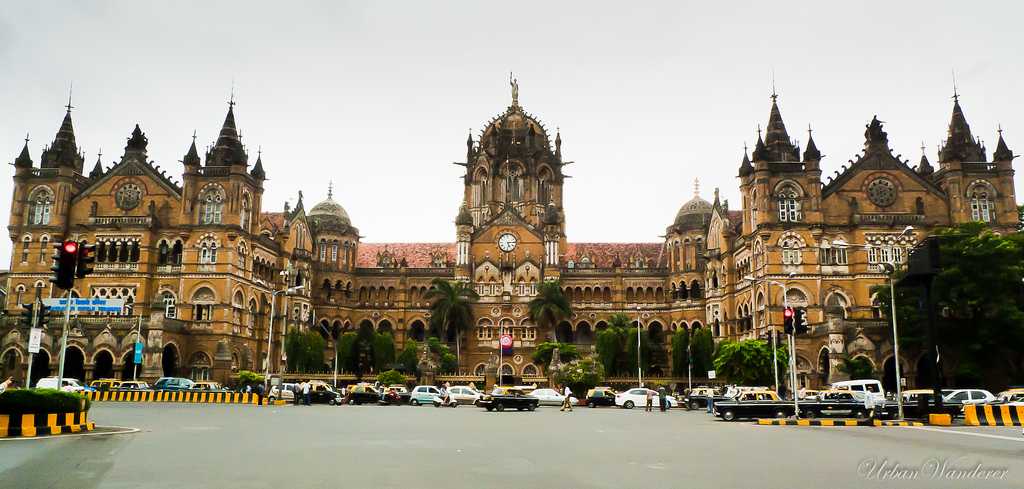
(43, 319)
(86, 259)
(27, 313)
(65, 260)
(800, 321)
(787, 322)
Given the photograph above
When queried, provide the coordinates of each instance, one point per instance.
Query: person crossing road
(567, 402)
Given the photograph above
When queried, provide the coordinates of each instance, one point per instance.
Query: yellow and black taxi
(105, 384)
(502, 398)
(753, 404)
(133, 385)
(699, 396)
(208, 386)
(600, 396)
(362, 394)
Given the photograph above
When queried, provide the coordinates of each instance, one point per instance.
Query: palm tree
(451, 304)
(550, 306)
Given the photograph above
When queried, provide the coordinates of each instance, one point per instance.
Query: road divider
(29, 424)
(993, 415)
(182, 397)
(836, 422)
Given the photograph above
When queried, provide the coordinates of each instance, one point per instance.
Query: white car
(288, 394)
(465, 395)
(863, 388)
(551, 397)
(968, 396)
(637, 396)
(68, 385)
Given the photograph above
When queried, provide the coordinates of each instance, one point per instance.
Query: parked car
(833, 403)
(105, 384)
(968, 396)
(286, 392)
(698, 397)
(600, 396)
(753, 404)
(423, 394)
(638, 397)
(465, 394)
(362, 394)
(394, 394)
(503, 397)
(551, 397)
(68, 384)
(1015, 399)
(863, 388)
(322, 393)
(133, 385)
(1006, 395)
(173, 384)
(919, 403)
(208, 386)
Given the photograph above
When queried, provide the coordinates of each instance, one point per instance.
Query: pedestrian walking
(259, 389)
(567, 402)
(305, 393)
(650, 401)
(662, 398)
(248, 389)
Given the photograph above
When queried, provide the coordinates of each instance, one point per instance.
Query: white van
(862, 388)
(69, 385)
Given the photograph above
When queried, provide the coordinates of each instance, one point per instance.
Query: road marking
(968, 433)
(124, 431)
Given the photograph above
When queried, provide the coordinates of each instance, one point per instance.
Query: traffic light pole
(31, 356)
(64, 341)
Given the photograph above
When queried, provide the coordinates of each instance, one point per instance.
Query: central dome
(330, 209)
(694, 211)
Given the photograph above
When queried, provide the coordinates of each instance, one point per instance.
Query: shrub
(18, 401)
(248, 377)
(391, 377)
(580, 375)
(543, 353)
(408, 360)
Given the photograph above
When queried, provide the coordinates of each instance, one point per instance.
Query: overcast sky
(378, 96)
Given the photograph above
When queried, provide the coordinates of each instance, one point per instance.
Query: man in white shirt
(567, 403)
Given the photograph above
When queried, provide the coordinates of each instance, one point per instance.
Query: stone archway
(74, 363)
(128, 370)
(889, 375)
(563, 332)
(40, 366)
(170, 360)
(103, 365)
(824, 367)
(417, 331)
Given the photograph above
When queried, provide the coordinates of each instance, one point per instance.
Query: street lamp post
(639, 371)
(270, 333)
(768, 320)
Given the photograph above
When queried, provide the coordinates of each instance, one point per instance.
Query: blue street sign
(94, 304)
(138, 352)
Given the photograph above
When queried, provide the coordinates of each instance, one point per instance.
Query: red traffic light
(70, 247)
(788, 312)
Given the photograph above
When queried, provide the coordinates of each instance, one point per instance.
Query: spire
(63, 151)
(192, 156)
(696, 187)
(228, 150)
(1002, 153)
(97, 170)
(330, 188)
(745, 167)
(760, 152)
(776, 139)
(558, 143)
(811, 153)
(257, 171)
(960, 144)
(24, 160)
(469, 146)
(924, 168)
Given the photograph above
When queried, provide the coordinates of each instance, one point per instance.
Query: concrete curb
(836, 422)
(187, 397)
(993, 415)
(30, 424)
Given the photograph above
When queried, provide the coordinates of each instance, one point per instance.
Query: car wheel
(810, 414)
(729, 415)
(476, 402)
(330, 402)
(520, 409)
(414, 402)
(499, 407)
(351, 402)
(489, 408)
(780, 414)
(271, 398)
(531, 407)
(591, 404)
(694, 405)
(859, 413)
(628, 405)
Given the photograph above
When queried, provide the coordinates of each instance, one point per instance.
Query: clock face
(882, 192)
(507, 242)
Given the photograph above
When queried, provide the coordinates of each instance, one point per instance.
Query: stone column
(836, 347)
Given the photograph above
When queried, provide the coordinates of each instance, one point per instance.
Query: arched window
(789, 204)
(323, 250)
(170, 304)
(44, 245)
(26, 242)
(40, 206)
(19, 294)
(202, 304)
(208, 252)
(796, 297)
(246, 212)
(836, 301)
(212, 205)
(982, 207)
(334, 251)
(163, 253)
(753, 209)
(790, 251)
(176, 252)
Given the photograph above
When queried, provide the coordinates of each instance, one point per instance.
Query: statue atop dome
(514, 82)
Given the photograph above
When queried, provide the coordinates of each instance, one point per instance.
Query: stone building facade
(199, 260)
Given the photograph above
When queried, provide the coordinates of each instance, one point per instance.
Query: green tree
(347, 355)
(857, 368)
(611, 343)
(680, 352)
(580, 375)
(748, 362)
(451, 306)
(631, 350)
(391, 377)
(449, 363)
(702, 350)
(383, 351)
(550, 306)
(305, 350)
(979, 299)
(408, 360)
(543, 352)
(246, 377)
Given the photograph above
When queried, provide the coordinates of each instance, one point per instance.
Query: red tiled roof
(417, 255)
(603, 255)
(273, 221)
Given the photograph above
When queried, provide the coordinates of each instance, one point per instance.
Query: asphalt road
(380, 447)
